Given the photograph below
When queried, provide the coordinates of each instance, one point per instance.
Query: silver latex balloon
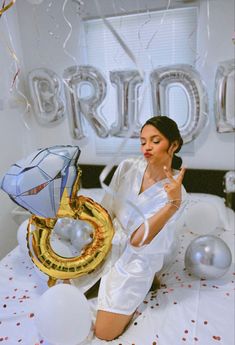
(189, 80)
(80, 235)
(45, 88)
(224, 97)
(208, 257)
(127, 84)
(85, 104)
(63, 227)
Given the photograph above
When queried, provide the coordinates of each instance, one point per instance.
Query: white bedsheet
(185, 310)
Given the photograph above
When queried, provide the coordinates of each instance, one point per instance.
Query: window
(156, 39)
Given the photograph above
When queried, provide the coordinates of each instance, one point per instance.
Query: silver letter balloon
(45, 89)
(224, 97)
(79, 105)
(189, 80)
(208, 257)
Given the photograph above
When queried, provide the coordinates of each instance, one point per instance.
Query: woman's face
(155, 146)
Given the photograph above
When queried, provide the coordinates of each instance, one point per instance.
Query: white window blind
(156, 39)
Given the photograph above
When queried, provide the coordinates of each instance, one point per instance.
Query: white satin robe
(127, 282)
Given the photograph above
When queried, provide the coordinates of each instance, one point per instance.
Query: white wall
(29, 30)
(40, 41)
(214, 150)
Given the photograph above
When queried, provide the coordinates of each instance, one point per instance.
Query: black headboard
(195, 180)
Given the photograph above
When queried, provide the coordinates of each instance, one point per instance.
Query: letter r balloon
(86, 105)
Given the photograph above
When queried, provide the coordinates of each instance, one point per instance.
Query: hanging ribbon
(6, 7)
(14, 84)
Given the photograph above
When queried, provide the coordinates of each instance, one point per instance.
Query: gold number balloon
(77, 207)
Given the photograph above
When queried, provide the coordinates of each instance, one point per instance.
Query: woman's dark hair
(170, 130)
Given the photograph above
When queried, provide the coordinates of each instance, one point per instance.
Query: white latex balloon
(202, 218)
(62, 315)
(22, 241)
(21, 236)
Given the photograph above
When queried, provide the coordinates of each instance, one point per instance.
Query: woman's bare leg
(109, 325)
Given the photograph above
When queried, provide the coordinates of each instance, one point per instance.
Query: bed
(182, 310)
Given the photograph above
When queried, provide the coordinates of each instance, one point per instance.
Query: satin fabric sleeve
(110, 195)
(163, 239)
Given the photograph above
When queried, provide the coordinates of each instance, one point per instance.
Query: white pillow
(94, 193)
(214, 200)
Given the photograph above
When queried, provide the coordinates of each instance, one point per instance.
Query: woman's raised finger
(181, 175)
(168, 174)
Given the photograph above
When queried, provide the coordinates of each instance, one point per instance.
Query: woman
(152, 186)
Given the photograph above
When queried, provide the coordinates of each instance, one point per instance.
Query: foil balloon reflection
(46, 184)
(85, 90)
(45, 89)
(127, 84)
(189, 80)
(224, 97)
(208, 257)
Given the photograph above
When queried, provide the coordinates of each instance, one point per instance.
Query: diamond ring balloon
(46, 184)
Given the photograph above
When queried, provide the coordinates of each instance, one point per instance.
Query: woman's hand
(161, 217)
(173, 187)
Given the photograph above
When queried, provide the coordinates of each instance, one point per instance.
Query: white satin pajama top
(124, 286)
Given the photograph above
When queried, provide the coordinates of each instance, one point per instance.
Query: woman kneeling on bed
(153, 185)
